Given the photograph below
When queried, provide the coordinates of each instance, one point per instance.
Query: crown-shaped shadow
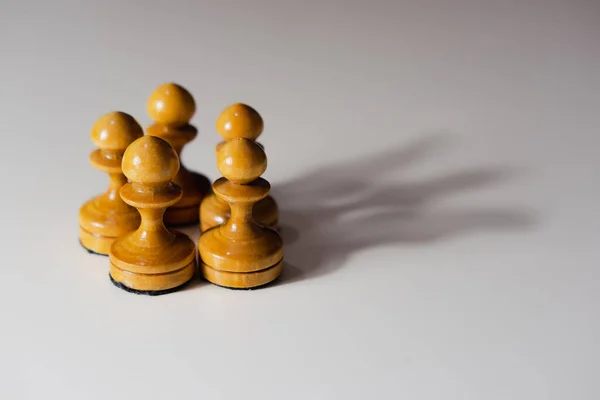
(333, 211)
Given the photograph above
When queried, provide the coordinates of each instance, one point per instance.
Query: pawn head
(241, 160)
(150, 160)
(171, 104)
(240, 121)
(115, 131)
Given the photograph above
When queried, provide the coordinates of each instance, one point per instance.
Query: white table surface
(436, 164)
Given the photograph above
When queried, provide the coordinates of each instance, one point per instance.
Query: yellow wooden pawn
(238, 121)
(171, 107)
(241, 253)
(106, 217)
(151, 260)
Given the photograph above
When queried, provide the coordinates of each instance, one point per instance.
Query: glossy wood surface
(241, 253)
(152, 258)
(171, 107)
(107, 216)
(238, 121)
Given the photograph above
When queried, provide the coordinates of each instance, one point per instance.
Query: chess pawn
(171, 107)
(151, 260)
(241, 253)
(106, 217)
(238, 121)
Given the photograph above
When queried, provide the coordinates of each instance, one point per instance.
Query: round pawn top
(150, 160)
(240, 121)
(115, 131)
(241, 161)
(171, 104)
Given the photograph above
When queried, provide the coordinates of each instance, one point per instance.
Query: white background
(436, 163)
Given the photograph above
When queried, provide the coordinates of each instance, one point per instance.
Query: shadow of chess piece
(241, 253)
(238, 121)
(171, 107)
(151, 260)
(106, 217)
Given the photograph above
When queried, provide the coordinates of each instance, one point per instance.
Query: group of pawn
(149, 189)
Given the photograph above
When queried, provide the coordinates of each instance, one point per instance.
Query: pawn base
(95, 243)
(185, 212)
(147, 292)
(101, 222)
(241, 280)
(151, 284)
(164, 266)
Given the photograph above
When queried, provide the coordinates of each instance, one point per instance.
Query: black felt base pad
(147, 292)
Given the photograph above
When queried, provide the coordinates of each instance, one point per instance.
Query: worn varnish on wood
(153, 258)
(241, 253)
(171, 107)
(238, 121)
(106, 217)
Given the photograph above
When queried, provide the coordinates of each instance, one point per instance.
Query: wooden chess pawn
(151, 260)
(241, 253)
(238, 121)
(106, 217)
(171, 107)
